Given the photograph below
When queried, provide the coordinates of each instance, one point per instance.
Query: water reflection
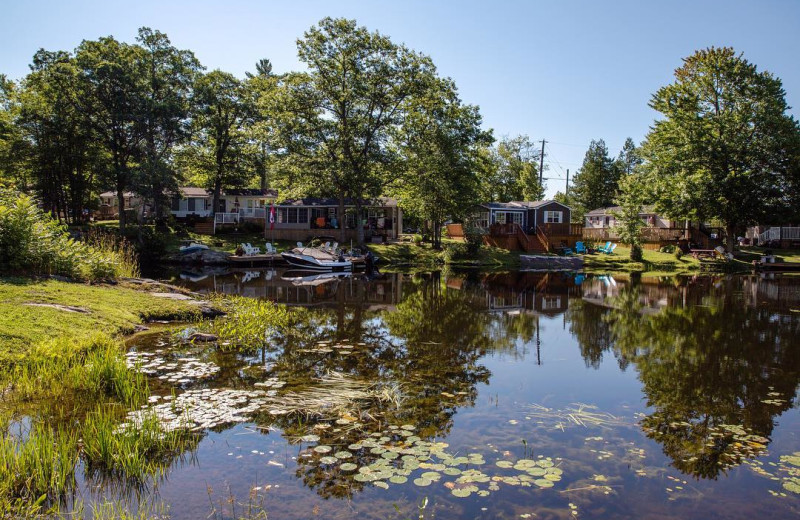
(716, 357)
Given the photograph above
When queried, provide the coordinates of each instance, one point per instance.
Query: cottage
(603, 218)
(109, 204)
(529, 225)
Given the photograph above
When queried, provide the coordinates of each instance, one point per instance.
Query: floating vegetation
(791, 465)
(200, 409)
(576, 414)
(176, 371)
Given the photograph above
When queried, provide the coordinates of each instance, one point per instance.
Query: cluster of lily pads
(197, 410)
(787, 472)
(177, 371)
(397, 455)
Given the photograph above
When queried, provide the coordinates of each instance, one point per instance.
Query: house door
(222, 206)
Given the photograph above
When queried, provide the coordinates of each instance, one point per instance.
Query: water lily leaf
(536, 472)
(381, 484)
(543, 483)
(398, 479)
(461, 493)
(504, 464)
(390, 455)
(409, 427)
(422, 482)
(328, 460)
(377, 450)
(342, 454)
(364, 477)
(309, 438)
(431, 475)
(452, 471)
(483, 493)
(348, 466)
(552, 477)
(355, 446)
(322, 449)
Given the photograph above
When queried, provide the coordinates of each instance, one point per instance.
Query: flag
(272, 216)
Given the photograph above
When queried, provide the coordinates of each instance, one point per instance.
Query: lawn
(425, 256)
(749, 254)
(113, 309)
(620, 260)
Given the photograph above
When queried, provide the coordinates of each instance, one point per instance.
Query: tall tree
(516, 176)
(629, 158)
(14, 148)
(346, 105)
(726, 147)
(595, 184)
(222, 114)
(263, 143)
(168, 76)
(112, 100)
(63, 151)
(630, 198)
(440, 141)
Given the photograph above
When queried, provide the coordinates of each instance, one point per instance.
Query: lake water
(499, 396)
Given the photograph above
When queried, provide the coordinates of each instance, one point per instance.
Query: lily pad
(348, 466)
(461, 493)
(328, 460)
(322, 449)
(398, 479)
(342, 454)
(504, 464)
(381, 484)
(422, 482)
(543, 483)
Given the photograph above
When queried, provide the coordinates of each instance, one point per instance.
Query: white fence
(226, 218)
(779, 233)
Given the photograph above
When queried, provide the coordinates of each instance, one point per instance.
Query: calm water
(653, 398)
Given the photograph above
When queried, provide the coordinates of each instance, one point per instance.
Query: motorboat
(316, 259)
(192, 248)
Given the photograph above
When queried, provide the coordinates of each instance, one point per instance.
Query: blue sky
(565, 71)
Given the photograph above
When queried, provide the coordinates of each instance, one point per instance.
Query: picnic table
(703, 253)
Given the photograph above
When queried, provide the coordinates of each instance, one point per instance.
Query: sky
(564, 71)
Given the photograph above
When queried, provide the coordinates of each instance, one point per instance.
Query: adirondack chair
(270, 249)
(611, 249)
(580, 248)
(300, 245)
(249, 250)
(605, 248)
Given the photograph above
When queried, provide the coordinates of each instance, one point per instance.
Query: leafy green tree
(263, 143)
(595, 184)
(629, 158)
(112, 99)
(222, 114)
(14, 148)
(345, 107)
(63, 151)
(168, 76)
(725, 147)
(515, 175)
(631, 197)
(439, 141)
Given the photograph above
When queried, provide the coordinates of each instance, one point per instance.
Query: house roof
(251, 192)
(106, 194)
(385, 202)
(646, 210)
(191, 191)
(520, 205)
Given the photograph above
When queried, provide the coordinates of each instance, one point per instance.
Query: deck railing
(226, 218)
(562, 229)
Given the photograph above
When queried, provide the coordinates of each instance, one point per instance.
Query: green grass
(620, 260)
(748, 254)
(112, 309)
(425, 256)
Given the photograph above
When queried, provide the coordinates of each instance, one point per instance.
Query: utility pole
(566, 191)
(541, 165)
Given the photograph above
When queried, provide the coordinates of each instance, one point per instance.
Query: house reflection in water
(539, 293)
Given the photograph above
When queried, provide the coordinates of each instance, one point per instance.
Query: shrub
(636, 253)
(32, 242)
(417, 239)
(678, 253)
(667, 249)
(474, 240)
(455, 251)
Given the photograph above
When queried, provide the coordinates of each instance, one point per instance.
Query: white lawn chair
(270, 249)
(300, 245)
(335, 247)
(249, 250)
(327, 246)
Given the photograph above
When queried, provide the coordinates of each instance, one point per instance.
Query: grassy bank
(32, 311)
(65, 381)
(652, 261)
(423, 256)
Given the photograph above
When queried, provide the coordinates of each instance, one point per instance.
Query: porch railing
(226, 218)
(779, 233)
(562, 229)
(253, 212)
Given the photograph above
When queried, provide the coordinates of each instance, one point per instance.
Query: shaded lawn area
(424, 255)
(620, 260)
(112, 309)
(748, 254)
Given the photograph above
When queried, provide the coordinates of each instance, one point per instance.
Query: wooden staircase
(204, 228)
(527, 243)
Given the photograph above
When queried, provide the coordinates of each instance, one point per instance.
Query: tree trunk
(217, 194)
(730, 239)
(121, 204)
(359, 227)
(340, 216)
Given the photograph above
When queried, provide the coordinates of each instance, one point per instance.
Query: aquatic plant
(250, 323)
(135, 453)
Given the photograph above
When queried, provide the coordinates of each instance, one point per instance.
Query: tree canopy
(725, 147)
(595, 184)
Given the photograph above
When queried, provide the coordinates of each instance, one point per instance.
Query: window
(292, 215)
(553, 217)
(551, 303)
(191, 204)
(176, 204)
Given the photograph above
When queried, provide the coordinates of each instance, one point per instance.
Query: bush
(667, 249)
(417, 239)
(474, 240)
(34, 243)
(455, 251)
(678, 253)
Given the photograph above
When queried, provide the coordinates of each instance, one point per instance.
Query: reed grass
(136, 453)
(117, 250)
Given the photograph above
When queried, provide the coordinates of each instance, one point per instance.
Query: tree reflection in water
(716, 370)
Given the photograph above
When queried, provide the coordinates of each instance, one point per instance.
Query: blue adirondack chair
(606, 248)
(580, 248)
(611, 249)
